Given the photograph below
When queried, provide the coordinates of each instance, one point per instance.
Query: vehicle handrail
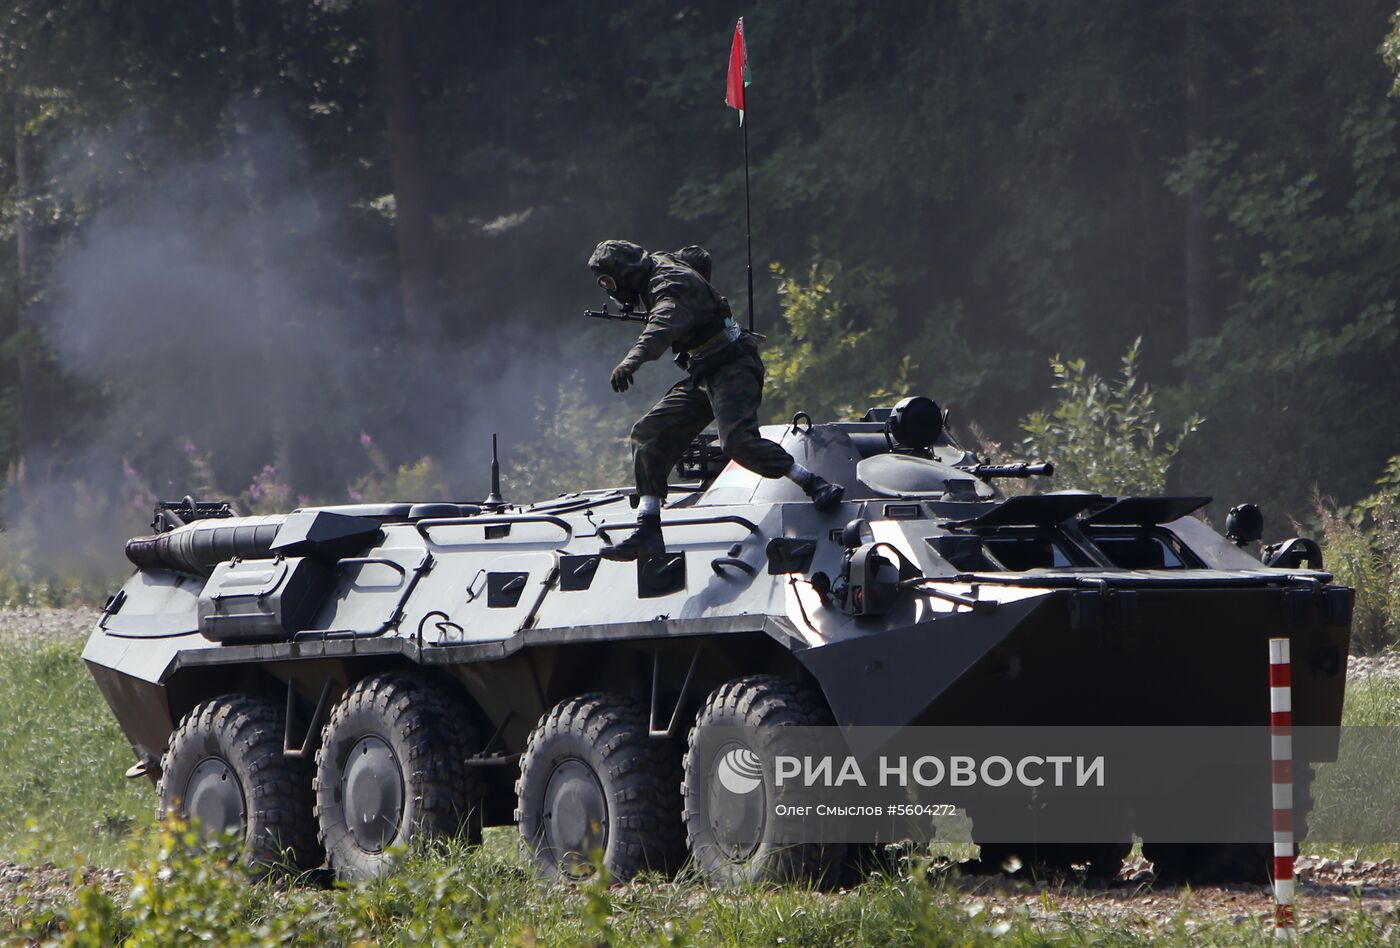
(424, 526)
(691, 522)
(919, 585)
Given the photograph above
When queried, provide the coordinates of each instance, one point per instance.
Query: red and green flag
(739, 77)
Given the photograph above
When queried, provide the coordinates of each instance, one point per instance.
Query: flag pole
(735, 96)
(748, 211)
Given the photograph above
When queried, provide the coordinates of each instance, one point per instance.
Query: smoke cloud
(239, 311)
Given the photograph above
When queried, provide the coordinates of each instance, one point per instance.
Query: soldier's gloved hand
(622, 377)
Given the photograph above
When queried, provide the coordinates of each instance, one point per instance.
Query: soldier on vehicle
(723, 383)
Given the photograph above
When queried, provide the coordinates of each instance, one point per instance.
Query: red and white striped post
(1281, 741)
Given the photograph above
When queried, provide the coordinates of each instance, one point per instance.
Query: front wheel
(595, 787)
(224, 770)
(391, 770)
(731, 797)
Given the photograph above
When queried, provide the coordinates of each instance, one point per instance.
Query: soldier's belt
(711, 345)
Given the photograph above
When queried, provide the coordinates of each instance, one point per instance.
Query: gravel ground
(39, 626)
(31, 889)
(1385, 665)
(1329, 891)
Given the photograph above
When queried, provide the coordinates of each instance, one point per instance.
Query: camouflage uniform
(724, 381)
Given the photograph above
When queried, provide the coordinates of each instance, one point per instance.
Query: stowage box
(252, 600)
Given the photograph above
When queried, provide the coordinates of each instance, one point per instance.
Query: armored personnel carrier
(336, 682)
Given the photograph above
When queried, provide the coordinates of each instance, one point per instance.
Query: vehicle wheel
(592, 780)
(1101, 861)
(864, 860)
(1211, 863)
(1098, 861)
(391, 770)
(224, 769)
(733, 832)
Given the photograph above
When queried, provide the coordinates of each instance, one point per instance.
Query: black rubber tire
(602, 738)
(1210, 863)
(761, 708)
(864, 860)
(1099, 861)
(1213, 863)
(1069, 861)
(243, 735)
(424, 733)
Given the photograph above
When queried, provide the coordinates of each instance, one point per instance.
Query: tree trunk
(278, 402)
(413, 225)
(1200, 320)
(25, 336)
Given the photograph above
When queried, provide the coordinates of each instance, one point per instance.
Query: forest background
(285, 252)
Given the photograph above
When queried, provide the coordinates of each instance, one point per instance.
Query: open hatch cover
(1145, 511)
(1036, 510)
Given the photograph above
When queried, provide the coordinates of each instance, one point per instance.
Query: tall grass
(62, 757)
(453, 895)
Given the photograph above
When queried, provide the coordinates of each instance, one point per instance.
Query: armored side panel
(928, 597)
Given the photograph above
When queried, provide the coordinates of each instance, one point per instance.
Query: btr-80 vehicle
(337, 682)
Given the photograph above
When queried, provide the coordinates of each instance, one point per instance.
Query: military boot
(825, 495)
(645, 541)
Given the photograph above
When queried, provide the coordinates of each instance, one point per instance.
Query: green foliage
(1361, 548)
(1105, 435)
(998, 183)
(186, 892)
(62, 759)
(1315, 322)
(832, 359)
(843, 347)
(447, 895)
(421, 480)
(1390, 52)
(579, 444)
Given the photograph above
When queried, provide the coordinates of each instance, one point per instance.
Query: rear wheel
(391, 770)
(594, 785)
(1210, 863)
(225, 771)
(1101, 861)
(734, 833)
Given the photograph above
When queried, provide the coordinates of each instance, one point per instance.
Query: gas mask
(625, 297)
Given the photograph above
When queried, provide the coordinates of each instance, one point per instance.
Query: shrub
(183, 892)
(1104, 435)
(1361, 548)
(423, 480)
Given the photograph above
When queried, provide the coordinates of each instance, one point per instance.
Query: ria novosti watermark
(930, 771)
(1074, 784)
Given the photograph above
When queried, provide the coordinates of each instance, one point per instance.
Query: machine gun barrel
(1019, 469)
(626, 316)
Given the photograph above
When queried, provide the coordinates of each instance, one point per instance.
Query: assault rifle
(1019, 469)
(627, 314)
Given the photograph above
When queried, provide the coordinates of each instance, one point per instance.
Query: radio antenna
(493, 500)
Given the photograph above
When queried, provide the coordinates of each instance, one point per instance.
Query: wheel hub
(575, 816)
(214, 798)
(372, 791)
(738, 801)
